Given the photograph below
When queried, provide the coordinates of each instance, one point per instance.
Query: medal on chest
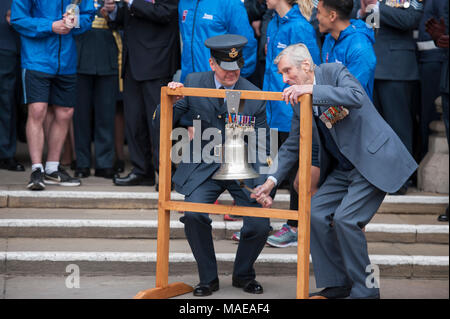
(333, 115)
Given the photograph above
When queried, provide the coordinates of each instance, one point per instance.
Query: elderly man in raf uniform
(361, 158)
(195, 181)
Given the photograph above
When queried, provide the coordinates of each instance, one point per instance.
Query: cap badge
(233, 53)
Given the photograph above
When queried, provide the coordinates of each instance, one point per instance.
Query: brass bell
(234, 154)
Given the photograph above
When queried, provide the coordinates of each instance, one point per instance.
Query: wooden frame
(165, 204)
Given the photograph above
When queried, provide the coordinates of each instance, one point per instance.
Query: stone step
(47, 256)
(62, 286)
(76, 223)
(147, 198)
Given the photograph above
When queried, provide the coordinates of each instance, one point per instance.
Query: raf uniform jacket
(151, 38)
(212, 114)
(363, 137)
(394, 45)
(97, 49)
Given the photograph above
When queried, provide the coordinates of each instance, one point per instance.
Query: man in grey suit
(361, 158)
(194, 179)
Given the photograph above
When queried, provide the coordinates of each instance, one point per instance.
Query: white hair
(297, 53)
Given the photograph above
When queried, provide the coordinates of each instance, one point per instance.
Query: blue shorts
(54, 89)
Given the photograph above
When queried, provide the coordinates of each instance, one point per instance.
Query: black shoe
(134, 180)
(62, 178)
(106, 173)
(73, 165)
(251, 286)
(83, 172)
(333, 293)
(36, 181)
(11, 165)
(202, 290)
(119, 166)
(444, 217)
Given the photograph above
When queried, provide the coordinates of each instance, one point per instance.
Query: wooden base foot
(172, 290)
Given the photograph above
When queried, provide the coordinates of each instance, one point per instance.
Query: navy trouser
(430, 79)
(140, 101)
(198, 231)
(8, 82)
(96, 101)
(393, 99)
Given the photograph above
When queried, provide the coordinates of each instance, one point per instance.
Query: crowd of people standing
(98, 79)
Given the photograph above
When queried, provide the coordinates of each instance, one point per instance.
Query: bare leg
(35, 130)
(58, 132)
(68, 153)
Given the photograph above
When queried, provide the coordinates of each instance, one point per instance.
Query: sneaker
(236, 236)
(285, 237)
(61, 177)
(37, 181)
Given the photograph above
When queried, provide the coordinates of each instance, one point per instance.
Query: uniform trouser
(140, 101)
(343, 205)
(429, 80)
(97, 98)
(198, 229)
(393, 99)
(8, 81)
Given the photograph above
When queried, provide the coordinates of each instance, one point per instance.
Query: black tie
(220, 99)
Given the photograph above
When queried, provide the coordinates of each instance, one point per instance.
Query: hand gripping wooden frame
(165, 204)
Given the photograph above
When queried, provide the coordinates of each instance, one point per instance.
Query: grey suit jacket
(189, 175)
(394, 45)
(363, 137)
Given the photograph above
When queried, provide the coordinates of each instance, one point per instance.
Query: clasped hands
(437, 31)
(262, 194)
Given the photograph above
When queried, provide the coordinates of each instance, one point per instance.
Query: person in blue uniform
(397, 69)
(431, 59)
(348, 41)
(49, 66)
(439, 31)
(287, 26)
(200, 20)
(97, 83)
(9, 71)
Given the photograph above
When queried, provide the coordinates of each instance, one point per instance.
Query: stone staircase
(107, 230)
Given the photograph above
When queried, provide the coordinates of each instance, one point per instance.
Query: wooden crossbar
(165, 204)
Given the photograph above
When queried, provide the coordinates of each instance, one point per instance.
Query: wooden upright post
(304, 197)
